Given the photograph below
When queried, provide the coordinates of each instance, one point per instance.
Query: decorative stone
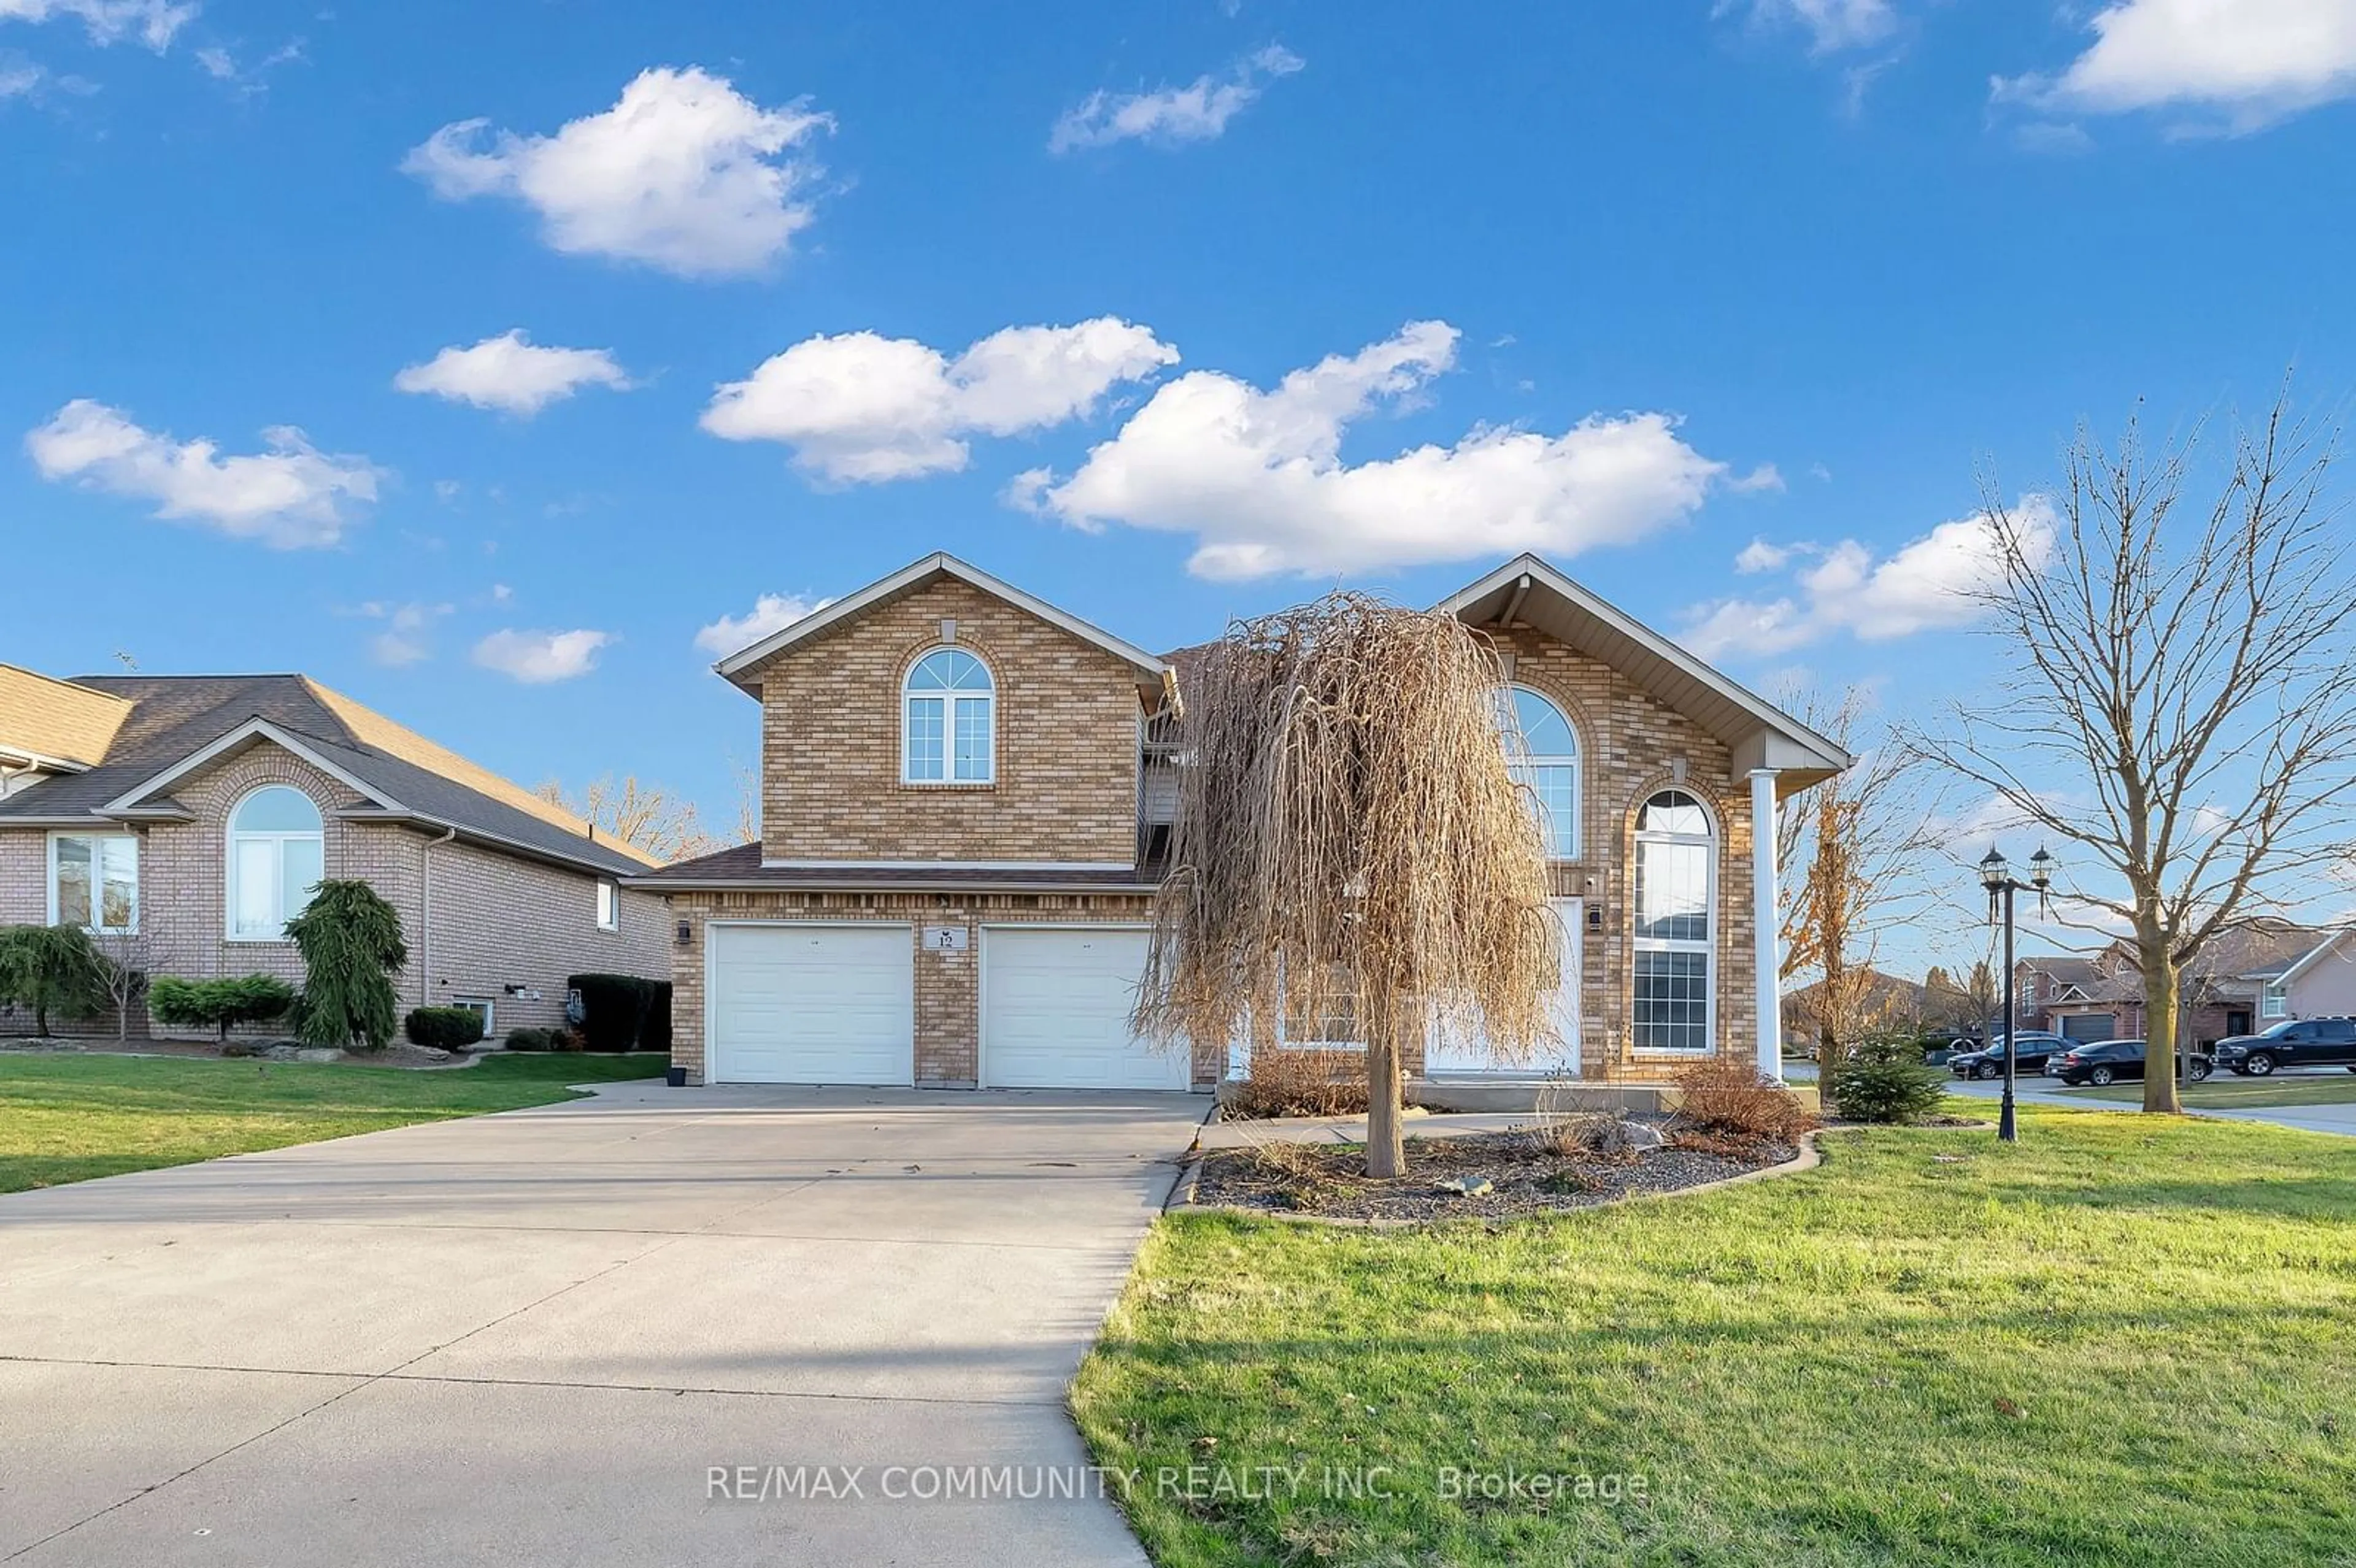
(1464, 1186)
(1640, 1134)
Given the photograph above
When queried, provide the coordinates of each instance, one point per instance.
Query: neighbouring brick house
(2243, 979)
(2042, 985)
(192, 813)
(966, 790)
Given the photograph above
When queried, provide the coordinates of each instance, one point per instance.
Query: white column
(1764, 921)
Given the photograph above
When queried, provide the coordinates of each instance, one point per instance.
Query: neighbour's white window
(276, 857)
(948, 725)
(1542, 753)
(94, 881)
(1675, 877)
(2274, 1002)
(476, 1005)
(608, 906)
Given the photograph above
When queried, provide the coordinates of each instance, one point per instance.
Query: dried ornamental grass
(1348, 832)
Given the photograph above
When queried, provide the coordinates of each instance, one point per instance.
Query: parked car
(2102, 1061)
(2029, 1050)
(2295, 1042)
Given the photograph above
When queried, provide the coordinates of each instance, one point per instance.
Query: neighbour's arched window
(1677, 875)
(276, 857)
(1542, 753)
(949, 720)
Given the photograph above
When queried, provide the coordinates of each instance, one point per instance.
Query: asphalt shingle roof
(173, 717)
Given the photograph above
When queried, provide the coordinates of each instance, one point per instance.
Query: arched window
(1542, 753)
(1677, 873)
(949, 720)
(276, 858)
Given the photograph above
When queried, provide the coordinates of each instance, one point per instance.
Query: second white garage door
(1054, 1011)
(812, 1004)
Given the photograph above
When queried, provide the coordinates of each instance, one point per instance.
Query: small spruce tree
(351, 945)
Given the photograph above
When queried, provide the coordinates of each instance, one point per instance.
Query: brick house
(2241, 981)
(190, 814)
(965, 790)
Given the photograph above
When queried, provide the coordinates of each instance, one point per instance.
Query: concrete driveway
(554, 1337)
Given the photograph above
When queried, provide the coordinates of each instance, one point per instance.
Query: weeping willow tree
(1349, 839)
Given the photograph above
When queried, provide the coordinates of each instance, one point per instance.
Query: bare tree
(1855, 843)
(2179, 707)
(130, 964)
(1350, 844)
(647, 817)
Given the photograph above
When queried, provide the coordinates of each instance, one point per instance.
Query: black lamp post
(1996, 876)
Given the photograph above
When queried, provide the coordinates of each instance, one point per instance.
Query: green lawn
(69, 1118)
(2226, 1092)
(2123, 1340)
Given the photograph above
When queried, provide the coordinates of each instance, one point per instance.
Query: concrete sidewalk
(534, 1337)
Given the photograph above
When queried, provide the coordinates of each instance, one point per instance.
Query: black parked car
(2030, 1053)
(2300, 1043)
(2102, 1062)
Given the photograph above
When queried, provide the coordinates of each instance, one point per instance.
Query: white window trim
(490, 1011)
(608, 906)
(230, 836)
(2273, 1001)
(97, 888)
(1708, 947)
(1575, 763)
(950, 701)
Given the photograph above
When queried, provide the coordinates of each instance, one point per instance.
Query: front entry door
(1445, 1051)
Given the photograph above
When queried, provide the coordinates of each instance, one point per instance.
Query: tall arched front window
(1676, 869)
(948, 720)
(276, 857)
(1542, 753)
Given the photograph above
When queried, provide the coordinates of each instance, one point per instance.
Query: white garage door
(1054, 1011)
(812, 1004)
(1444, 1052)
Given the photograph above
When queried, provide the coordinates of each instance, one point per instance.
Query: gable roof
(1526, 590)
(918, 574)
(176, 724)
(2312, 957)
(55, 723)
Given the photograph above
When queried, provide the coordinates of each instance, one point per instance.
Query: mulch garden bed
(1329, 1181)
(400, 1053)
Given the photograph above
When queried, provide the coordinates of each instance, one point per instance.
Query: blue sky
(1637, 285)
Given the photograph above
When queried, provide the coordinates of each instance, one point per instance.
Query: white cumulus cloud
(1168, 116)
(1831, 25)
(1928, 583)
(770, 613)
(537, 658)
(1258, 478)
(683, 173)
(152, 22)
(861, 407)
(290, 497)
(512, 373)
(2240, 65)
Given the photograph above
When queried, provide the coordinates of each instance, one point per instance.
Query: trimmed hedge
(449, 1028)
(622, 1012)
(218, 1003)
(530, 1039)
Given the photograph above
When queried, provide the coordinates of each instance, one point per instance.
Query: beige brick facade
(1067, 763)
(948, 985)
(1066, 721)
(1631, 746)
(494, 919)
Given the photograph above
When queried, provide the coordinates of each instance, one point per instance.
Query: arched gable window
(948, 720)
(276, 857)
(1676, 875)
(1542, 753)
